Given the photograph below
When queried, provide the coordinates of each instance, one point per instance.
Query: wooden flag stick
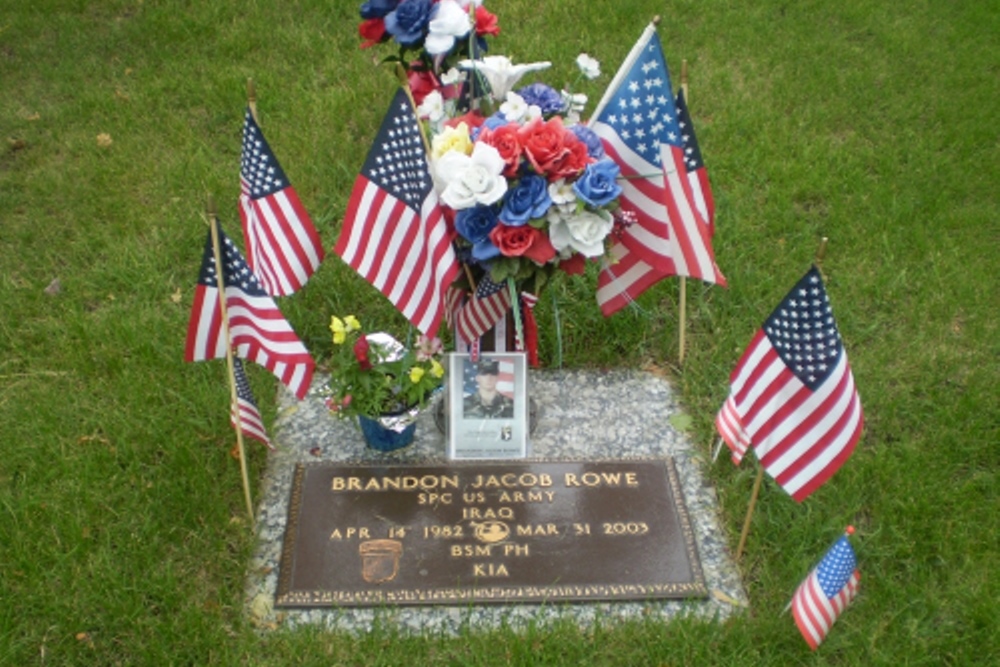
(753, 503)
(718, 450)
(233, 398)
(820, 254)
(684, 81)
(252, 100)
(682, 306)
(682, 324)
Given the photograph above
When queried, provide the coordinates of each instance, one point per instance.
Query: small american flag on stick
(395, 235)
(826, 592)
(258, 330)
(283, 245)
(245, 414)
(792, 393)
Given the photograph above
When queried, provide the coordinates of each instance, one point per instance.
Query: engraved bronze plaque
(486, 533)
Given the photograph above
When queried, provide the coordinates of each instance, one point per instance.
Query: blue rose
(376, 9)
(527, 200)
(595, 148)
(545, 97)
(485, 250)
(408, 22)
(475, 223)
(597, 184)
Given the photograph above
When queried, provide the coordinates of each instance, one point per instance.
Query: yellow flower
(452, 139)
(339, 330)
(437, 370)
(352, 323)
(416, 373)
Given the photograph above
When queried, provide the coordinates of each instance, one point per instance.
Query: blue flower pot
(384, 438)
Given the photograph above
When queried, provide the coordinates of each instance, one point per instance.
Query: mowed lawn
(123, 536)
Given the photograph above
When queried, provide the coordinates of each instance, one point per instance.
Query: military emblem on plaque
(380, 560)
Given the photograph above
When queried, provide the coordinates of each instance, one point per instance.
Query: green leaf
(682, 422)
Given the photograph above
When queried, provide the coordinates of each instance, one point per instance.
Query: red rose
(361, 354)
(524, 240)
(372, 31)
(422, 83)
(486, 23)
(572, 162)
(505, 140)
(575, 265)
(544, 143)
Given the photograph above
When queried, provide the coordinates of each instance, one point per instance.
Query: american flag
(701, 190)
(245, 415)
(638, 124)
(730, 428)
(826, 592)
(258, 330)
(794, 394)
(283, 246)
(480, 313)
(395, 234)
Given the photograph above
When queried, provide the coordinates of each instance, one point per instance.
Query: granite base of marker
(582, 415)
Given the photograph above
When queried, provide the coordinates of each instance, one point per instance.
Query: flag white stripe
(356, 239)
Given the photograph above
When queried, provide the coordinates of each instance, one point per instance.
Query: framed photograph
(488, 406)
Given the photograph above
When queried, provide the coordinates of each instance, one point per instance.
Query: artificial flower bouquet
(374, 375)
(526, 186)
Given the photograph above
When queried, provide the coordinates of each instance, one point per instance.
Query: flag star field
(803, 332)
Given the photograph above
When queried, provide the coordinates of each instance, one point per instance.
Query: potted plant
(375, 378)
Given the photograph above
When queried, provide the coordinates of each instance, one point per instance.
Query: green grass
(122, 540)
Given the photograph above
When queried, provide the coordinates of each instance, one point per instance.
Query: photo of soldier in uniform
(487, 401)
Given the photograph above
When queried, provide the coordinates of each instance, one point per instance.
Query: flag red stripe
(283, 246)
(730, 428)
(689, 231)
(250, 421)
(204, 336)
(814, 613)
(705, 188)
(622, 281)
(284, 254)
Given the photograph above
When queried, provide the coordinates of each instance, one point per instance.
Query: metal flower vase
(389, 432)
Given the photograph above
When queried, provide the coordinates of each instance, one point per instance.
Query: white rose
(582, 231)
(449, 22)
(472, 179)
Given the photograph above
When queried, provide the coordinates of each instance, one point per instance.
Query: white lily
(501, 73)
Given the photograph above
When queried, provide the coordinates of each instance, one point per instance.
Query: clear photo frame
(488, 406)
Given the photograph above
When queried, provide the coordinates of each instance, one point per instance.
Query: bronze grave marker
(486, 533)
